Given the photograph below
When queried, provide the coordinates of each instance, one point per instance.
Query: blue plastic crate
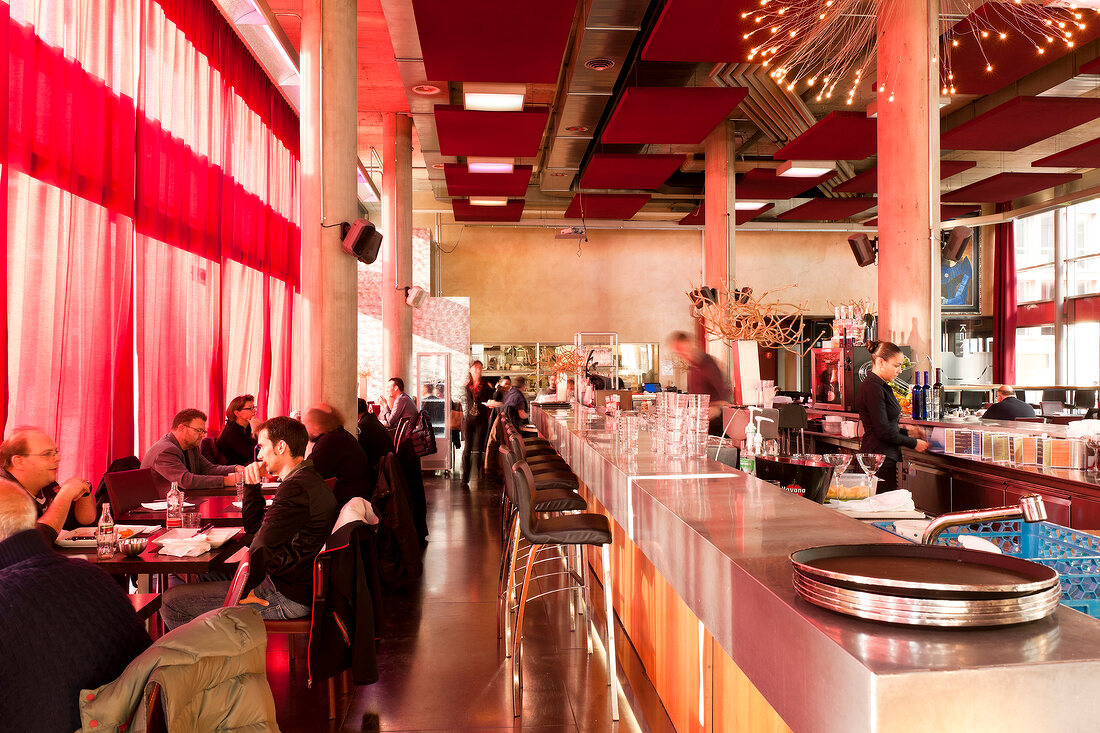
(1075, 555)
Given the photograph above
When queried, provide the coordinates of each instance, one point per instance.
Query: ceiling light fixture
(426, 89)
(494, 97)
(805, 168)
(488, 200)
(577, 128)
(749, 205)
(490, 165)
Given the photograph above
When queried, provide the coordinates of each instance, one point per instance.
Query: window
(1035, 355)
(1083, 249)
(1084, 366)
(1035, 258)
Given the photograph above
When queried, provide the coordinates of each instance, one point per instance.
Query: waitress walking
(879, 411)
(475, 420)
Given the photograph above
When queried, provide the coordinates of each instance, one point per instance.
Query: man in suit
(1007, 406)
(176, 457)
(374, 439)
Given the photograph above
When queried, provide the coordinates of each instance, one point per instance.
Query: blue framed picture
(960, 280)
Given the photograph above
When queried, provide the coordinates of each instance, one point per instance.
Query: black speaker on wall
(362, 240)
(863, 248)
(957, 240)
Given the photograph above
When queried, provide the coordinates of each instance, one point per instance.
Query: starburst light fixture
(829, 45)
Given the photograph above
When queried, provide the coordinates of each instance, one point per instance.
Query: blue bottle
(926, 398)
(917, 397)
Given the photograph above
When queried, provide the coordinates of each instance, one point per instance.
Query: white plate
(269, 485)
(239, 505)
(85, 536)
(216, 536)
(162, 506)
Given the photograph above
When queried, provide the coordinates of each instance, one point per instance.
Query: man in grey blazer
(176, 457)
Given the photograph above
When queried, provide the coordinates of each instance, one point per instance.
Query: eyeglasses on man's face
(44, 454)
(200, 431)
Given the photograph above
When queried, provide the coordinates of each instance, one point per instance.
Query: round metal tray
(924, 571)
(929, 612)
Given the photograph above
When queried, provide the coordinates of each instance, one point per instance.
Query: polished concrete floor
(441, 668)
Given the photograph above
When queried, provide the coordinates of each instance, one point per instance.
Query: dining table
(219, 511)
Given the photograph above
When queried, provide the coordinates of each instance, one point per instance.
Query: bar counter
(731, 646)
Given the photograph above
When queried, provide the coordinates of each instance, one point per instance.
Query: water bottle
(174, 516)
(105, 536)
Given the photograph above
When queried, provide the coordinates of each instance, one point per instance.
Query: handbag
(455, 420)
(422, 436)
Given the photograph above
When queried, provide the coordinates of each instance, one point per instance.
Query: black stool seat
(568, 482)
(572, 529)
(558, 499)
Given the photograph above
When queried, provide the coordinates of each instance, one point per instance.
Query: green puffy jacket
(212, 675)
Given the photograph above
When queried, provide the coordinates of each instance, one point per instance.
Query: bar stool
(556, 499)
(574, 530)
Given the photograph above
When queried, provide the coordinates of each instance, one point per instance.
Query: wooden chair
(290, 627)
(127, 489)
(146, 606)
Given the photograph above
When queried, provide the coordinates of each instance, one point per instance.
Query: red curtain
(1004, 301)
(150, 178)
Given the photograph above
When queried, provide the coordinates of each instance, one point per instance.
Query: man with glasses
(30, 458)
(176, 457)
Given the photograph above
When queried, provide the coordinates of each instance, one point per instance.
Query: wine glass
(1092, 440)
(839, 462)
(870, 463)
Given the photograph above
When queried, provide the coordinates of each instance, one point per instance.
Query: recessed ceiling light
(490, 165)
(494, 97)
(577, 128)
(557, 175)
(437, 166)
(600, 63)
(805, 168)
(426, 89)
(489, 200)
(749, 205)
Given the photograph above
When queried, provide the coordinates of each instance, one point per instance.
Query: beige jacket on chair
(212, 673)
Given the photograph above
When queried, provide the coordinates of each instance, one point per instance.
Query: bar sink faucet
(1030, 509)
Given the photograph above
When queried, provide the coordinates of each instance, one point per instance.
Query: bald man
(67, 625)
(1008, 407)
(30, 459)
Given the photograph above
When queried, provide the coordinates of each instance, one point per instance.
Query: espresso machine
(837, 373)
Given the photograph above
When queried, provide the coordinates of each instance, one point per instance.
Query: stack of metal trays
(925, 585)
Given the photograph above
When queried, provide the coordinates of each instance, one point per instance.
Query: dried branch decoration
(738, 315)
(562, 360)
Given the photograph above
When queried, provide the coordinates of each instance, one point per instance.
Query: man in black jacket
(288, 534)
(337, 454)
(1007, 406)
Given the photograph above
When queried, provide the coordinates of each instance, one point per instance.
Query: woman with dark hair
(879, 410)
(475, 420)
(236, 442)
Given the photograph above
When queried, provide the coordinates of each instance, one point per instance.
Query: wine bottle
(918, 397)
(936, 400)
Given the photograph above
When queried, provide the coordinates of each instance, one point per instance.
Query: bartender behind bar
(704, 376)
(880, 411)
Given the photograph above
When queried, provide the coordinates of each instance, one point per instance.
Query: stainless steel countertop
(722, 543)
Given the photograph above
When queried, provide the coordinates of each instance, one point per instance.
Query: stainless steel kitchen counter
(721, 540)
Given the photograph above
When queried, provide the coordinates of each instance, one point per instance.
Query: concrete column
(719, 231)
(397, 247)
(1061, 362)
(326, 347)
(908, 175)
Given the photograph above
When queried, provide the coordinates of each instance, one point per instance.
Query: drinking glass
(628, 434)
(238, 483)
(105, 543)
(870, 462)
(192, 520)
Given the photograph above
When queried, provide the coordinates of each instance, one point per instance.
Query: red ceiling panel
(763, 183)
(701, 30)
(606, 206)
(828, 209)
(1092, 67)
(837, 136)
(629, 171)
(698, 217)
(1011, 59)
(1021, 122)
(1007, 186)
(867, 181)
(493, 41)
(1085, 155)
(461, 182)
(490, 134)
(673, 115)
(465, 211)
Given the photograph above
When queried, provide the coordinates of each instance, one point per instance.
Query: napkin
(899, 500)
(240, 505)
(185, 546)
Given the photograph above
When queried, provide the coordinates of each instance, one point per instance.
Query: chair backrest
(1084, 398)
(972, 399)
(331, 482)
(1054, 395)
(127, 489)
(523, 497)
(209, 449)
(792, 417)
(233, 596)
(507, 461)
(154, 710)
